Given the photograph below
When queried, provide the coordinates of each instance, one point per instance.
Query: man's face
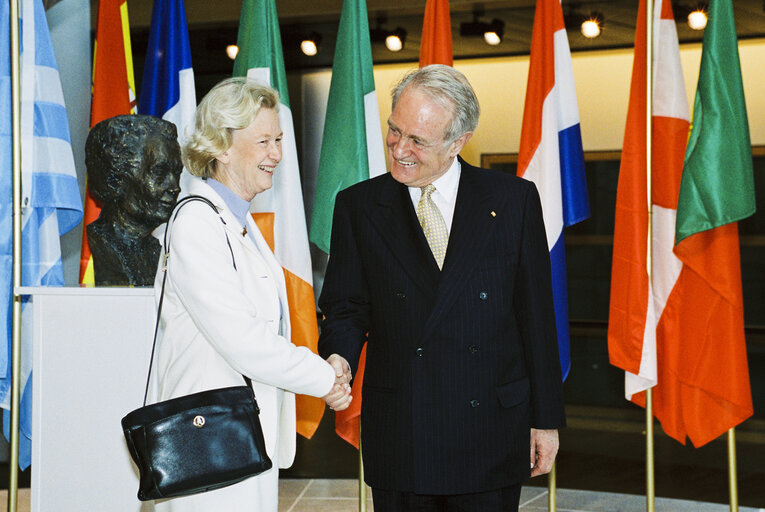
(154, 187)
(416, 146)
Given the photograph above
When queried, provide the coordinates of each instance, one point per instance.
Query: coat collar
(259, 247)
(395, 219)
(473, 225)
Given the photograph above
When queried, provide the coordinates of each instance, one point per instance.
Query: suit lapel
(472, 227)
(394, 218)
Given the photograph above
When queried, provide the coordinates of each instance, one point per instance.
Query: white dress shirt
(445, 195)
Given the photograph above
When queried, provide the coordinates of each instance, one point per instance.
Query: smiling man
(444, 266)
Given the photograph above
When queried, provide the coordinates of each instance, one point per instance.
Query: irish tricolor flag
(436, 45)
(550, 152)
(351, 151)
(279, 211)
(351, 148)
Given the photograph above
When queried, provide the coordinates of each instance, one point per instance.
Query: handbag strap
(166, 248)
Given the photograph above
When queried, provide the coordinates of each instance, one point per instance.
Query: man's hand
(339, 397)
(544, 447)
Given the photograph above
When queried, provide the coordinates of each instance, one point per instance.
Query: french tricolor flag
(167, 89)
(550, 152)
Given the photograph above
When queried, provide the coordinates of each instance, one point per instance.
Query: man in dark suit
(445, 267)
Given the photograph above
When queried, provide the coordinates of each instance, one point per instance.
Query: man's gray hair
(449, 88)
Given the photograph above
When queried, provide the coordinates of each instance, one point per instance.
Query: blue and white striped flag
(550, 152)
(167, 88)
(51, 202)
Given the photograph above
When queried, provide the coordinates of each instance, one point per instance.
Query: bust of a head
(134, 166)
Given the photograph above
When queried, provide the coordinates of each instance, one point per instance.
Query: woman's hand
(339, 397)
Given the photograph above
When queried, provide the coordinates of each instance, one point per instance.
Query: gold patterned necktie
(433, 224)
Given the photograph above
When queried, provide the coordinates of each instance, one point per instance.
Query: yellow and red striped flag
(113, 95)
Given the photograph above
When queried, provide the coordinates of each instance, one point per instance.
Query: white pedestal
(91, 357)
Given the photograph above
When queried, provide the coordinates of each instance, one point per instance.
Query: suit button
(419, 351)
(483, 295)
(400, 296)
(473, 349)
(474, 403)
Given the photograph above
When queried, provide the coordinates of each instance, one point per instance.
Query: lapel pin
(493, 214)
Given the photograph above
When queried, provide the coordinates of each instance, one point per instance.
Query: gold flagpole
(552, 489)
(13, 470)
(649, 460)
(732, 478)
(650, 493)
(362, 485)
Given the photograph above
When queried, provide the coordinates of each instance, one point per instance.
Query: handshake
(339, 397)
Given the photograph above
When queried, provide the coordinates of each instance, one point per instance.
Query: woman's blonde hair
(231, 105)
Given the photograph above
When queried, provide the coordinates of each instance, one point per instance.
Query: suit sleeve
(535, 316)
(344, 299)
(201, 273)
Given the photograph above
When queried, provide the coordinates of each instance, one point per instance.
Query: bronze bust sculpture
(133, 164)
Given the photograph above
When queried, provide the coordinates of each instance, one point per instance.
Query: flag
(637, 302)
(550, 152)
(113, 94)
(279, 211)
(51, 203)
(167, 87)
(681, 332)
(351, 151)
(436, 45)
(703, 388)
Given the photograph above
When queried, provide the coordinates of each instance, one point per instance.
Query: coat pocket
(513, 393)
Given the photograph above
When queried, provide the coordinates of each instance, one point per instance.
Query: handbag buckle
(199, 421)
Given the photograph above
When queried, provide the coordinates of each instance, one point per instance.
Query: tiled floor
(298, 495)
(341, 495)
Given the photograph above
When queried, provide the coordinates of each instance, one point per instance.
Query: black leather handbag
(198, 442)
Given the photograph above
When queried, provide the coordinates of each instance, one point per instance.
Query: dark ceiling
(213, 25)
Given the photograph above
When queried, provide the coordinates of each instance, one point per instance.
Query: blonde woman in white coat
(219, 322)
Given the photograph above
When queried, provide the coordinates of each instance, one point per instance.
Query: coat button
(419, 351)
(474, 403)
(483, 295)
(473, 349)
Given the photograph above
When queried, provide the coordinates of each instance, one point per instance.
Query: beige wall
(602, 84)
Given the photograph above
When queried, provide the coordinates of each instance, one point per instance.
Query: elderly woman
(222, 319)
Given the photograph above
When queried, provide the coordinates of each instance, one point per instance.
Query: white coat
(219, 323)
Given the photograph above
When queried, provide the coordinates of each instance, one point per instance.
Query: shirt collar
(238, 206)
(447, 183)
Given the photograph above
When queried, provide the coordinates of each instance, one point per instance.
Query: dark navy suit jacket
(460, 362)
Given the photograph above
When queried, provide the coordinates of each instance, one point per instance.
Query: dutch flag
(550, 152)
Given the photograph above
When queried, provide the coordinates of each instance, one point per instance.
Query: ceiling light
(592, 25)
(231, 51)
(394, 39)
(310, 45)
(394, 43)
(492, 38)
(697, 19)
(491, 32)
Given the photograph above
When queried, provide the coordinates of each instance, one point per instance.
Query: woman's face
(247, 167)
